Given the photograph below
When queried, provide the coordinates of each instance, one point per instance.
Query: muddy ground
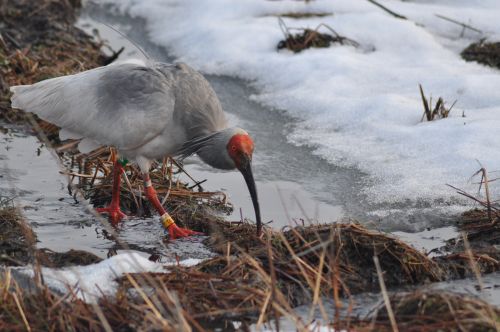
(253, 279)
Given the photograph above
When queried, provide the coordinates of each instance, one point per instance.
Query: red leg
(113, 210)
(167, 221)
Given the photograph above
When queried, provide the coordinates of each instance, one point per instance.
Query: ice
(96, 280)
(356, 107)
(429, 239)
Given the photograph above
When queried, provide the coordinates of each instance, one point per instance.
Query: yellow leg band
(167, 220)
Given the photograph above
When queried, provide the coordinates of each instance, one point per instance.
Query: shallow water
(31, 174)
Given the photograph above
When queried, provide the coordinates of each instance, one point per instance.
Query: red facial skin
(240, 146)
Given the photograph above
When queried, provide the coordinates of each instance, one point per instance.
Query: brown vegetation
(487, 53)
(439, 111)
(307, 38)
(437, 311)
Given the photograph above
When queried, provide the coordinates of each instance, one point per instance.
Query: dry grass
(38, 40)
(92, 174)
(437, 311)
(439, 111)
(41, 310)
(283, 270)
(487, 53)
(17, 240)
(307, 38)
(301, 15)
(258, 284)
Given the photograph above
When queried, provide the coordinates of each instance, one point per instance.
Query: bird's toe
(115, 215)
(176, 232)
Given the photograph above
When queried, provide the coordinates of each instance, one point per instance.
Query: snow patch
(96, 280)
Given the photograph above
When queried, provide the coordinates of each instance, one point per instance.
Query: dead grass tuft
(439, 111)
(438, 311)
(38, 40)
(283, 270)
(17, 240)
(307, 38)
(486, 53)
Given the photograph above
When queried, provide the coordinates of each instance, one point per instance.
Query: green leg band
(123, 162)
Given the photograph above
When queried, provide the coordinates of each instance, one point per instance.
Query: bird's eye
(233, 148)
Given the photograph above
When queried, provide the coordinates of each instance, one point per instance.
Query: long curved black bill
(247, 174)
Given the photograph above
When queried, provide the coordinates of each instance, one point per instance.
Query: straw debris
(486, 53)
(437, 311)
(298, 15)
(38, 40)
(439, 111)
(17, 240)
(307, 38)
(285, 269)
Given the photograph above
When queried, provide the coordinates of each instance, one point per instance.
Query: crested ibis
(146, 110)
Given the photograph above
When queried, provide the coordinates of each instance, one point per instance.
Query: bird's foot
(114, 213)
(176, 232)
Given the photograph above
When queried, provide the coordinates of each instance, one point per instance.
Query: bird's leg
(113, 210)
(166, 220)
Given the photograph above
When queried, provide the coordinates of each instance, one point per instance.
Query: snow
(96, 280)
(356, 107)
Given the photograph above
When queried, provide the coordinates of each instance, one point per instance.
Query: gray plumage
(145, 110)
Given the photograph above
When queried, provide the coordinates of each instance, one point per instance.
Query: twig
(3, 43)
(388, 10)
(387, 302)
(127, 181)
(273, 281)
(21, 311)
(466, 194)
(197, 183)
(427, 110)
(472, 263)
(484, 179)
(465, 26)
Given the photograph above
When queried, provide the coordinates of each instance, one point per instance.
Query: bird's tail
(42, 98)
(17, 100)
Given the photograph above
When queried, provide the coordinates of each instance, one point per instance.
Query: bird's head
(228, 149)
(240, 150)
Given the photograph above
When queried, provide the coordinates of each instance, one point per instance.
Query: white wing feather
(124, 105)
